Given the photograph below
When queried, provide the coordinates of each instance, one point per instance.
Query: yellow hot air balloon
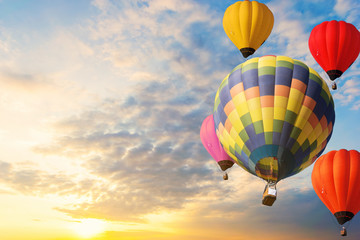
(248, 24)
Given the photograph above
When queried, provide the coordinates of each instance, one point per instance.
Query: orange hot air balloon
(336, 178)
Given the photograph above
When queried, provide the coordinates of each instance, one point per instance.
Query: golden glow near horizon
(87, 228)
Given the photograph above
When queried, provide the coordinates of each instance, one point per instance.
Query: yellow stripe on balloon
(255, 109)
(267, 61)
(268, 119)
(306, 131)
(295, 100)
(303, 117)
(235, 121)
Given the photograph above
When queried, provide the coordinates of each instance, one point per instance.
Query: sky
(101, 104)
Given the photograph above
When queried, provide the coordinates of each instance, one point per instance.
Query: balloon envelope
(212, 144)
(336, 178)
(335, 46)
(273, 116)
(248, 24)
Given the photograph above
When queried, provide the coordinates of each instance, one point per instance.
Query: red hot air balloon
(213, 146)
(335, 46)
(336, 178)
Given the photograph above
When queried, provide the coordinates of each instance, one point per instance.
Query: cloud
(40, 78)
(133, 162)
(342, 7)
(29, 96)
(356, 106)
(142, 148)
(289, 36)
(101, 4)
(241, 217)
(159, 40)
(348, 93)
(348, 9)
(31, 181)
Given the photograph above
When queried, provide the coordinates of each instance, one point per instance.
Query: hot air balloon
(213, 146)
(336, 178)
(248, 24)
(273, 116)
(335, 46)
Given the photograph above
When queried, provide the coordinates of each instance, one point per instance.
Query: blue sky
(102, 103)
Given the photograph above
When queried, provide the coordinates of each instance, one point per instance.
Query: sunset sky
(101, 104)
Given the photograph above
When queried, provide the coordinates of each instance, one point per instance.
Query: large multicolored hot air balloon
(335, 46)
(336, 178)
(273, 116)
(248, 24)
(213, 146)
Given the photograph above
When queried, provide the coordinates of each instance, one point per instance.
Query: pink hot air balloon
(213, 146)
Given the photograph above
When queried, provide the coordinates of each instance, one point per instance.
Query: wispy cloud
(288, 35)
(133, 162)
(159, 39)
(342, 7)
(348, 93)
(348, 10)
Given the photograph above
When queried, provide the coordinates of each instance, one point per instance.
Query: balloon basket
(343, 232)
(225, 176)
(334, 86)
(269, 195)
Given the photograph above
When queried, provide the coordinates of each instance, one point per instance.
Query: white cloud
(356, 106)
(101, 4)
(288, 35)
(348, 9)
(348, 93)
(152, 36)
(342, 7)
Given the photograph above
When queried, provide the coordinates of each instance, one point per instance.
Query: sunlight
(87, 228)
